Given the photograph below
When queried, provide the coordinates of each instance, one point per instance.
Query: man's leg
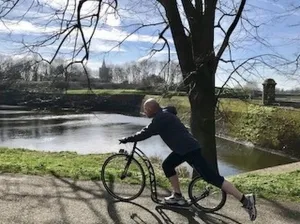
(169, 165)
(196, 160)
(175, 183)
(248, 201)
(231, 189)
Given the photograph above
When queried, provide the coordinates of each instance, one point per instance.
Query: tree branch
(181, 41)
(230, 31)
(166, 43)
(133, 32)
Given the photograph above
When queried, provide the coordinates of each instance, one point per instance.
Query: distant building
(105, 74)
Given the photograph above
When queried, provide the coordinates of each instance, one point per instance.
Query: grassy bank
(269, 127)
(284, 186)
(87, 167)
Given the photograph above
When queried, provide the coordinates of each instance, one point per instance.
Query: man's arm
(146, 132)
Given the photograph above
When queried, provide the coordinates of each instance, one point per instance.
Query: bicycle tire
(206, 204)
(106, 176)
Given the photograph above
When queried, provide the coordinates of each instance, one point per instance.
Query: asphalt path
(51, 200)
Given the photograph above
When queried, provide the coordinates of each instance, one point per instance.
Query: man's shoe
(250, 207)
(175, 199)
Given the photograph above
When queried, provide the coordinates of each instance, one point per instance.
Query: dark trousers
(195, 160)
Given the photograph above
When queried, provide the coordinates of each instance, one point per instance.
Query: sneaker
(175, 199)
(250, 207)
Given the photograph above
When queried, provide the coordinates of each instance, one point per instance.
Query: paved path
(51, 200)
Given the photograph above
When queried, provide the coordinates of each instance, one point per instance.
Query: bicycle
(125, 166)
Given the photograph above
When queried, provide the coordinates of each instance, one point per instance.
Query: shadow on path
(285, 211)
(134, 215)
(191, 214)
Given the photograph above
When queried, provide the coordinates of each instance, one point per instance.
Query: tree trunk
(202, 100)
(198, 65)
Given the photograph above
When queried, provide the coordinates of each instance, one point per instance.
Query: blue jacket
(172, 131)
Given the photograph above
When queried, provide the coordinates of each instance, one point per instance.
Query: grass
(87, 167)
(284, 186)
(265, 126)
(63, 164)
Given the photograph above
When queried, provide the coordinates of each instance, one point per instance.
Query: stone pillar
(268, 96)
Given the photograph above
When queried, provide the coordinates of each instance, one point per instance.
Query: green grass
(285, 186)
(87, 167)
(63, 164)
(266, 126)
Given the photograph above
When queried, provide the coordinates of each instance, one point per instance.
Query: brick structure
(268, 96)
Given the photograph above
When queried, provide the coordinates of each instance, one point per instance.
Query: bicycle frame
(152, 178)
(146, 161)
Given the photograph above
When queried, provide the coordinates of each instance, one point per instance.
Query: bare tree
(119, 74)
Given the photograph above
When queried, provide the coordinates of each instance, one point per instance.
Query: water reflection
(99, 132)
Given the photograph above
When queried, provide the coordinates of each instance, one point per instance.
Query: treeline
(148, 73)
(27, 74)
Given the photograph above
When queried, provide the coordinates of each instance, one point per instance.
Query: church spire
(103, 64)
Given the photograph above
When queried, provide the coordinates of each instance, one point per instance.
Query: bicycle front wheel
(205, 196)
(118, 176)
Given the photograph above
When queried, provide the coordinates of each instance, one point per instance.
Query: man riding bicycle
(185, 148)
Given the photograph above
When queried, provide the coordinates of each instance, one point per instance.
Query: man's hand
(123, 140)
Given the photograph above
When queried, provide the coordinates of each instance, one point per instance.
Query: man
(185, 148)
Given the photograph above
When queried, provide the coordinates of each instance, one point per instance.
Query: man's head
(151, 107)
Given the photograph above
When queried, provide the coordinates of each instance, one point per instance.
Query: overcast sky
(276, 29)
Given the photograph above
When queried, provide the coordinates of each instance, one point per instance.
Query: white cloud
(144, 58)
(158, 55)
(118, 35)
(23, 27)
(105, 48)
(57, 4)
(113, 34)
(113, 20)
(94, 64)
(95, 47)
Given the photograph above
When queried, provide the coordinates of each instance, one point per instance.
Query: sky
(277, 33)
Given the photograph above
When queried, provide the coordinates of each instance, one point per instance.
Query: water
(99, 133)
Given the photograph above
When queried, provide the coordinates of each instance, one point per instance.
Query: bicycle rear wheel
(205, 196)
(118, 175)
